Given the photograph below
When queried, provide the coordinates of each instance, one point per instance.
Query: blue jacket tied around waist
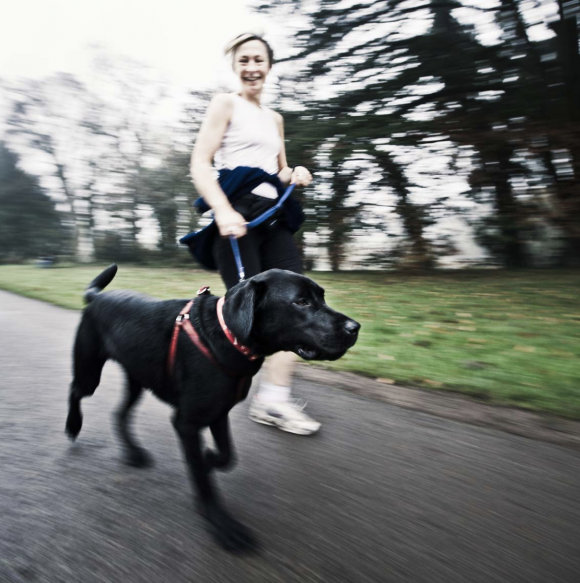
(235, 184)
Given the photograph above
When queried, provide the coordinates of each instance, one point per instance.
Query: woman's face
(251, 65)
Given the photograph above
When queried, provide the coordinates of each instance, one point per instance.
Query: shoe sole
(282, 427)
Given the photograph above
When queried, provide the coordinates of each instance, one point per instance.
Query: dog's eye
(302, 303)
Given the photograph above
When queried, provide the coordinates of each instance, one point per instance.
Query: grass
(502, 337)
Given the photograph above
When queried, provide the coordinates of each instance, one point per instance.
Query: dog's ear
(239, 308)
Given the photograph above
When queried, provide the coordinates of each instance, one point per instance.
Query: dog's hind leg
(135, 455)
(88, 361)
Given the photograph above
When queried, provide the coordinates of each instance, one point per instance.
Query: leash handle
(258, 220)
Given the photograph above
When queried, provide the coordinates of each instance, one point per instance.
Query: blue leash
(257, 221)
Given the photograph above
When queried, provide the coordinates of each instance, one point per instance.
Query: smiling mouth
(249, 79)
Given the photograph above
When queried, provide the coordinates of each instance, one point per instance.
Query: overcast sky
(183, 39)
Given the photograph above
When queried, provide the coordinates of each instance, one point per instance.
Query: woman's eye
(302, 303)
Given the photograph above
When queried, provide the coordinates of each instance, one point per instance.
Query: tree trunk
(508, 213)
(413, 216)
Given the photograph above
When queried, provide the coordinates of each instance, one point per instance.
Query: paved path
(382, 494)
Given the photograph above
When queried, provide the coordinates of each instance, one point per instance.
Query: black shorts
(263, 248)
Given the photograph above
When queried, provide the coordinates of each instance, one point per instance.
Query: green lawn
(504, 337)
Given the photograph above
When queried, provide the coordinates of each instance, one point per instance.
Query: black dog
(276, 310)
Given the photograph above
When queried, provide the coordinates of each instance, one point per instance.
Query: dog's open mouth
(306, 353)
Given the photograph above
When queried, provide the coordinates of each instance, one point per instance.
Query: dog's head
(282, 311)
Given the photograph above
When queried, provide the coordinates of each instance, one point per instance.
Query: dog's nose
(351, 327)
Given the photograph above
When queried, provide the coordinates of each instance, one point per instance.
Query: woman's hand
(301, 176)
(230, 222)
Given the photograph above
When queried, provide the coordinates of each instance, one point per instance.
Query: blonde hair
(236, 43)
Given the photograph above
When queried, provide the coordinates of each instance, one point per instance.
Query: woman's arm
(209, 139)
(285, 172)
(300, 175)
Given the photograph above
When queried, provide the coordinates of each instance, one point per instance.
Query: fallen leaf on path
(386, 381)
(432, 383)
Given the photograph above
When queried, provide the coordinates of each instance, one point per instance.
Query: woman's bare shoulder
(278, 117)
(223, 98)
(220, 109)
(223, 101)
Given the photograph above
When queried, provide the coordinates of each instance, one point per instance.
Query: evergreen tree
(397, 76)
(30, 226)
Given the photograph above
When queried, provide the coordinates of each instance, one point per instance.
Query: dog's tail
(100, 283)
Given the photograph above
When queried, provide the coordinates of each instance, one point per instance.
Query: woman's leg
(278, 250)
(276, 378)
(280, 367)
(273, 404)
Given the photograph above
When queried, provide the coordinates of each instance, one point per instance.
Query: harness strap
(183, 322)
(194, 337)
(176, 328)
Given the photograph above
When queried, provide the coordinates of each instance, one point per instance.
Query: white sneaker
(287, 416)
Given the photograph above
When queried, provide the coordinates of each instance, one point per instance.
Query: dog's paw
(229, 533)
(74, 423)
(139, 458)
(233, 536)
(213, 460)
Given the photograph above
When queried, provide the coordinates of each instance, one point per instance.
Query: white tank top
(252, 138)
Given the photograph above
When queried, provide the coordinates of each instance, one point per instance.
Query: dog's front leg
(224, 458)
(230, 534)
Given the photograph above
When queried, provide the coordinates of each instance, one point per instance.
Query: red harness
(182, 322)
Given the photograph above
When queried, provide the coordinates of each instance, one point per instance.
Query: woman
(239, 132)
